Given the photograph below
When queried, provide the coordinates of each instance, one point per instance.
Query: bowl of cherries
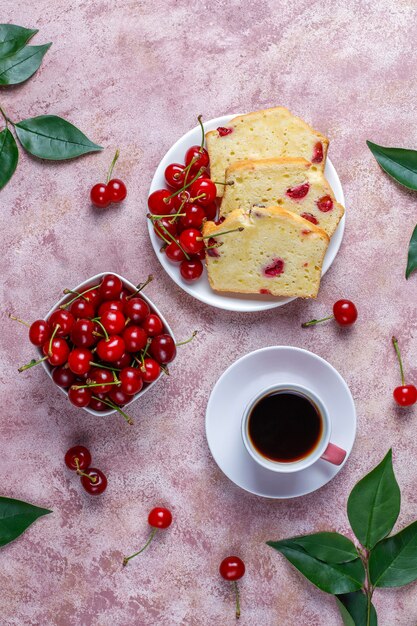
(104, 344)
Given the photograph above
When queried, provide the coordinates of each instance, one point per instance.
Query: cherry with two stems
(114, 190)
(232, 568)
(404, 395)
(158, 518)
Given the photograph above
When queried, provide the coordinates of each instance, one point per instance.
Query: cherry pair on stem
(114, 190)
(78, 459)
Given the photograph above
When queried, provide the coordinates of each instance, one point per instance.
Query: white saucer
(241, 382)
(200, 289)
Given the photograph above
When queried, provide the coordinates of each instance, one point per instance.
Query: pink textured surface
(135, 75)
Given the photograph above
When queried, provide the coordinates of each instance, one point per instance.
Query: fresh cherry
(81, 308)
(118, 396)
(78, 458)
(131, 380)
(111, 305)
(150, 370)
(94, 481)
(165, 227)
(57, 352)
(159, 518)
(79, 397)
(163, 349)
(62, 376)
(160, 203)
(152, 325)
(136, 310)
(102, 377)
(39, 332)
(124, 361)
(110, 287)
(64, 319)
(93, 296)
(193, 218)
(203, 191)
(174, 175)
(100, 195)
(405, 395)
(191, 240)
(111, 349)
(191, 270)
(200, 157)
(345, 313)
(135, 338)
(174, 252)
(113, 321)
(211, 211)
(82, 333)
(232, 568)
(117, 190)
(79, 360)
(96, 403)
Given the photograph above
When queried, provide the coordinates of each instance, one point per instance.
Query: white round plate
(238, 385)
(201, 289)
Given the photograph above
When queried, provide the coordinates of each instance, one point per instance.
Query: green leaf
(328, 547)
(399, 163)
(374, 504)
(15, 517)
(20, 66)
(412, 254)
(13, 38)
(333, 578)
(9, 156)
(353, 608)
(393, 562)
(51, 137)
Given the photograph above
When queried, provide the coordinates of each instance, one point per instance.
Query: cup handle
(333, 454)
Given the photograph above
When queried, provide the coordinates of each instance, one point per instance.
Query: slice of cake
(277, 253)
(294, 183)
(265, 134)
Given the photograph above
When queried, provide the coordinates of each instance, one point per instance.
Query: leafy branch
(334, 564)
(46, 136)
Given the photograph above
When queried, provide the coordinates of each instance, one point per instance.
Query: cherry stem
(165, 369)
(215, 245)
(116, 382)
(141, 286)
(106, 367)
(81, 473)
(314, 322)
(151, 536)
(202, 195)
(64, 306)
(112, 164)
(160, 217)
(32, 363)
(182, 343)
(57, 327)
(236, 588)
(16, 319)
(228, 184)
(397, 350)
(225, 232)
(116, 408)
(202, 132)
(186, 185)
(6, 119)
(106, 334)
(76, 293)
(176, 241)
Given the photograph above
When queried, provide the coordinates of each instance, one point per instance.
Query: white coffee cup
(324, 449)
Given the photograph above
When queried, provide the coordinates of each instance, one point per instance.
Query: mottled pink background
(134, 75)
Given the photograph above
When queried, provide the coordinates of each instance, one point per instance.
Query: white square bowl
(82, 287)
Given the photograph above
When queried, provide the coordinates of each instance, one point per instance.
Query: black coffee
(285, 426)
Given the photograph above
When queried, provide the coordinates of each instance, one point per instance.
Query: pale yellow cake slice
(295, 183)
(277, 253)
(264, 134)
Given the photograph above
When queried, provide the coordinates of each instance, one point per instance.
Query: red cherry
(193, 218)
(164, 226)
(310, 217)
(102, 376)
(345, 312)
(191, 270)
(299, 192)
(223, 131)
(203, 191)
(135, 338)
(82, 333)
(113, 321)
(62, 376)
(174, 252)
(174, 175)
(111, 349)
(131, 380)
(110, 287)
(77, 458)
(160, 517)
(150, 370)
(111, 305)
(159, 202)
(96, 403)
(79, 397)
(152, 325)
(211, 211)
(93, 297)
(200, 157)
(59, 351)
(117, 190)
(118, 396)
(124, 361)
(137, 310)
(163, 349)
(191, 240)
(81, 308)
(232, 568)
(405, 395)
(182, 199)
(325, 204)
(64, 319)
(124, 294)
(100, 196)
(39, 332)
(79, 360)
(317, 156)
(98, 485)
